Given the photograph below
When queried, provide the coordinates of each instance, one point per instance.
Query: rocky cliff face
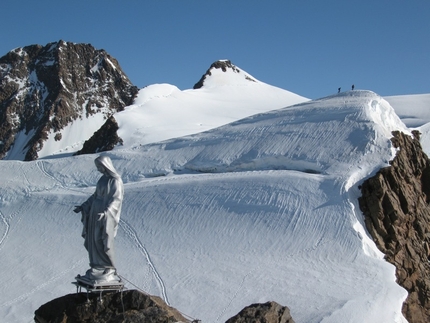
(395, 203)
(45, 88)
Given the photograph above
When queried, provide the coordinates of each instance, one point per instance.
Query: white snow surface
(224, 98)
(262, 208)
(414, 110)
(72, 137)
(162, 111)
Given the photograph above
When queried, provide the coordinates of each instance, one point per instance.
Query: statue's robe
(99, 234)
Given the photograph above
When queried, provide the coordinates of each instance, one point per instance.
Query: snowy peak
(162, 111)
(43, 89)
(223, 72)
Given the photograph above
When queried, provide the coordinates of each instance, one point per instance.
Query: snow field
(261, 209)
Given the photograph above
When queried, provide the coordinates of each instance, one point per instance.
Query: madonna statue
(100, 218)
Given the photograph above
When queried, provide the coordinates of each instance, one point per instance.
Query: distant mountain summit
(44, 89)
(214, 75)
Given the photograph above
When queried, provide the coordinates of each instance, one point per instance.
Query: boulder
(112, 307)
(270, 312)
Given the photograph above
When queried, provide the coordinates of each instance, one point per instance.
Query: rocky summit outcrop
(224, 65)
(270, 312)
(45, 88)
(395, 203)
(130, 306)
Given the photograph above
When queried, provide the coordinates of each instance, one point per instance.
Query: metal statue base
(94, 286)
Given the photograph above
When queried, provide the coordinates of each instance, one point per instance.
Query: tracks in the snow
(133, 236)
(6, 231)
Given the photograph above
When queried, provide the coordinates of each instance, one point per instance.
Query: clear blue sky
(307, 47)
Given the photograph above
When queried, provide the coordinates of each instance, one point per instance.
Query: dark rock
(269, 312)
(395, 203)
(45, 88)
(115, 307)
(132, 306)
(104, 139)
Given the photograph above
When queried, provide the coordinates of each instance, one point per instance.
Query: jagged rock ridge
(45, 88)
(395, 203)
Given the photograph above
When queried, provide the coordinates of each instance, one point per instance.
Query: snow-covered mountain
(47, 91)
(224, 94)
(61, 98)
(264, 208)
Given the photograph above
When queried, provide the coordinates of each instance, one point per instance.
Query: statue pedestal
(93, 286)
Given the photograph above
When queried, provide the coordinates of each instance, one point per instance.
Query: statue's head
(104, 165)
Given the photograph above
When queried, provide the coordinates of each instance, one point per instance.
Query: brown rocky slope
(395, 203)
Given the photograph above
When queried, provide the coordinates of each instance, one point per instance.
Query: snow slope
(414, 109)
(225, 97)
(264, 208)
